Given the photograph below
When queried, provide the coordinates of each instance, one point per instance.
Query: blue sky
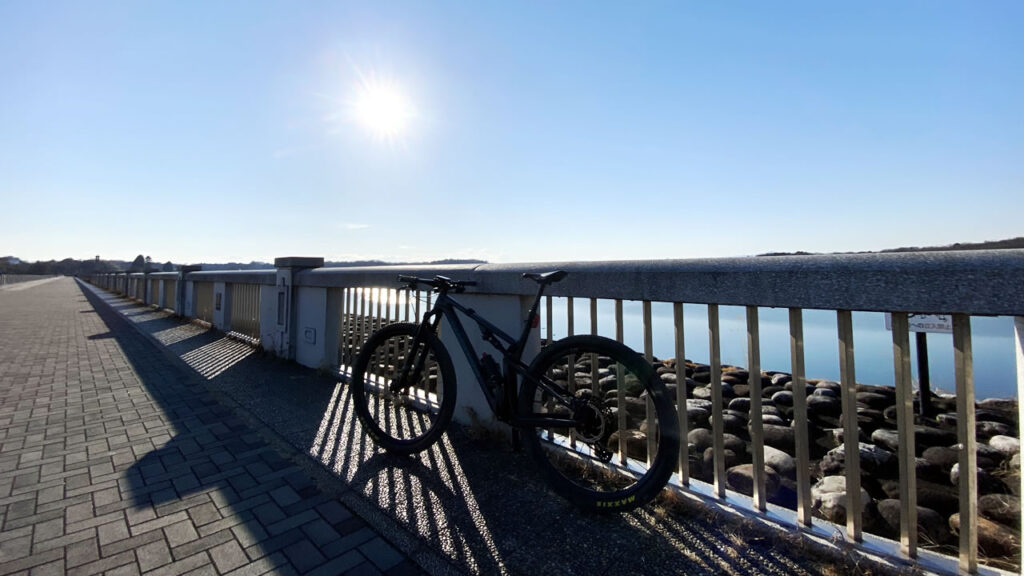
(217, 131)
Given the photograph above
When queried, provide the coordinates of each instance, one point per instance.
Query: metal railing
(755, 331)
(204, 301)
(170, 292)
(245, 310)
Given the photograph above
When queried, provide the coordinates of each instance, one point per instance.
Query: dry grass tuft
(841, 559)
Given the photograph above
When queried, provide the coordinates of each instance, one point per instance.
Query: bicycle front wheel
(403, 391)
(624, 443)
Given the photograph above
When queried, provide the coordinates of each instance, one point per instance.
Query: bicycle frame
(511, 350)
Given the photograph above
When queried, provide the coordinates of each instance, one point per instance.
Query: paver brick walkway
(113, 459)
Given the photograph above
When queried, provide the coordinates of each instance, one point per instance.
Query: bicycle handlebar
(440, 283)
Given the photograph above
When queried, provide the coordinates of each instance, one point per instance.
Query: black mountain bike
(593, 412)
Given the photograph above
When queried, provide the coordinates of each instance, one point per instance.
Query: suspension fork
(414, 363)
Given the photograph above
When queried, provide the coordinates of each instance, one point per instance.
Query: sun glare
(383, 109)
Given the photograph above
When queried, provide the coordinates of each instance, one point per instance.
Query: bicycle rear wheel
(404, 417)
(626, 443)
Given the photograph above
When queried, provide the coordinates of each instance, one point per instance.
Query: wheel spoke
(602, 461)
(409, 417)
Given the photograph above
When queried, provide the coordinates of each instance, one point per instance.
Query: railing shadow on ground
(490, 510)
(212, 458)
(482, 506)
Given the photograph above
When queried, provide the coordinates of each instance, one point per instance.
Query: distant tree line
(1008, 244)
(72, 267)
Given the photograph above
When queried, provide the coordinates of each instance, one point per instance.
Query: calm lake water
(992, 339)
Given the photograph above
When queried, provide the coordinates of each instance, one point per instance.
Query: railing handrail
(982, 282)
(234, 276)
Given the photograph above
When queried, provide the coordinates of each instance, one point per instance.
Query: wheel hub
(594, 425)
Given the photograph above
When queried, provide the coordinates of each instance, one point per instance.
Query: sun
(383, 109)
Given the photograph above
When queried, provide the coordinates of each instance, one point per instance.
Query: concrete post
(182, 305)
(221, 306)
(507, 313)
(285, 299)
(189, 309)
(310, 325)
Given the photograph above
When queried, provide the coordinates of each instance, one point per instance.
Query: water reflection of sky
(992, 339)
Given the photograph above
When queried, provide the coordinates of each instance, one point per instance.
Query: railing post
(189, 295)
(288, 304)
(332, 330)
(222, 306)
(181, 302)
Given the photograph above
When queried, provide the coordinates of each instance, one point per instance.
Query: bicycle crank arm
(545, 422)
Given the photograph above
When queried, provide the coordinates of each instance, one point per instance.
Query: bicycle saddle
(547, 277)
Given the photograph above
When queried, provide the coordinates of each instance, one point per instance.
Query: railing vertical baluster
(250, 314)
(620, 381)
(963, 364)
(355, 325)
(237, 323)
(593, 316)
(350, 324)
(717, 426)
(549, 322)
(851, 428)
(405, 296)
(417, 295)
(756, 424)
(684, 423)
(246, 309)
(570, 310)
(1018, 333)
(595, 377)
(803, 475)
(342, 361)
(905, 432)
(376, 325)
(397, 304)
(652, 446)
(363, 319)
(247, 306)
(242, 324)
(571, 327)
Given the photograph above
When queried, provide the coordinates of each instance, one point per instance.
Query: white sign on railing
(941, 323)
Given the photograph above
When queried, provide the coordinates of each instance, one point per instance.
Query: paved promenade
(116, 460)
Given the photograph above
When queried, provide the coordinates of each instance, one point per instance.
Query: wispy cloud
(354, 226)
